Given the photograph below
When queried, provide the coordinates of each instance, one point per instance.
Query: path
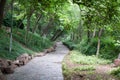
(42, 68)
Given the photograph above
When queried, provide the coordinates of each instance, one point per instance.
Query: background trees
(2, 5)
(91, 26)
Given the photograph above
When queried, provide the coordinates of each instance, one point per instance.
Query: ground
(75, 71)
(47, 67)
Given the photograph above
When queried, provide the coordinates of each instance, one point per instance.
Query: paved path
(42, 68)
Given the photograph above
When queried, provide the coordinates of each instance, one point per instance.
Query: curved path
(48, 67)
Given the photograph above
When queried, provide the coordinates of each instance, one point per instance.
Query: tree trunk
(88, 34)
(2, 5)
(10, 48)
(31, 11)
(94, 32)
(36, 24)
(56, 35)
(45, 30)
(98, 46)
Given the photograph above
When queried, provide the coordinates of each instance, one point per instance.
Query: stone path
(42, 68)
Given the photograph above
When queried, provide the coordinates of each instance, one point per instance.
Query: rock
(3, 63)
(6, 66)
(23, 59)
(54, 46)
(17, 63)
(117, 62)
(7, 70)
(40, 54)
(31, 56)
(51, 49)
(2, 77)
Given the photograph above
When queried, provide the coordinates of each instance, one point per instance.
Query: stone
(39, 54)
(6, 66)
(7, 70)
(54, 46)
(2, 77)
(117, 62)
(23, 59)
(3, 63)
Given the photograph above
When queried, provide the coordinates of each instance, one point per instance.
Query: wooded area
(92, 27)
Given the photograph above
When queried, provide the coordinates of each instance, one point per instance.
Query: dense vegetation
(90, 27)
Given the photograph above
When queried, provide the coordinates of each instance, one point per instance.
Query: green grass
(33, 41)
(17, 48)
(81, 64)
(84, 68)
(80, 58)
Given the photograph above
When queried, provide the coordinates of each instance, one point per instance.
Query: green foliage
(17, 49)
(79, 58)
(116, 72)
(85, 68)
(69, 44)
(87, 48)
(109, 49)
(34, 41)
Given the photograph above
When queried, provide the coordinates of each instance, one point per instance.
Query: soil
(102, 72)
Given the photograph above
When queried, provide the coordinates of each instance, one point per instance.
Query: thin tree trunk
(36, 24)
(28, 23)
(94, 32)
(98, 46)
(88, 34)
(10, 48)
(2, 5)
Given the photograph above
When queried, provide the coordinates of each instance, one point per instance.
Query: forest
(90, 29)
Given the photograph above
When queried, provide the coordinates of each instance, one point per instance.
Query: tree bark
(2, 5)
(45, 30)
(56, 35)
(36, 24)
(98, 46)
(31, 11)
(94, 32)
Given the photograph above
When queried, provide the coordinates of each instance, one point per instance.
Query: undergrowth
(30, 40)
(17, 48)
(34, 43)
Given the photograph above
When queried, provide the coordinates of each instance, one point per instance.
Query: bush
(69, 44)
(79, 58)
(116, 72)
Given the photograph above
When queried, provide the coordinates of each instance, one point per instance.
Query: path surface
(42, 68)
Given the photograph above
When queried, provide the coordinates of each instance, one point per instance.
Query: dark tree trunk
(56, 35)
(2, 5)
(88, 34)
(47, 28)
(36, 24)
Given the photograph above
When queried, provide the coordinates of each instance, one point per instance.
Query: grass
(33, 41)
(35, 44)
(77, 63)
(17, 49)
(79, 58)
(84, 68)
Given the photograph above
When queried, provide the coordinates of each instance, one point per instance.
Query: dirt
(102, 72)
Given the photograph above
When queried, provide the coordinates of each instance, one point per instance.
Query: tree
(2, 5)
